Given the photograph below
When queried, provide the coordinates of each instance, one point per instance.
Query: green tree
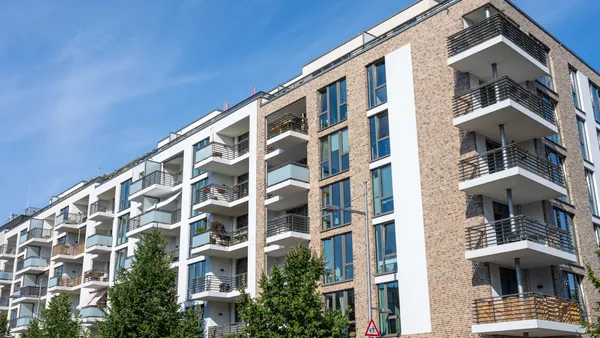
(4, 327)
(593, 327)
(289, 304)
(34, 330)
(57, 320)
(143, 301)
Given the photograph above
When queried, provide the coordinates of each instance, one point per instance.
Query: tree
(4, 327)
(289, 304)
(57, 320)
(593, 328)
(143, 301)
(190, 325)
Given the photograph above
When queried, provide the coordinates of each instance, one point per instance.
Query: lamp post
(364, 212)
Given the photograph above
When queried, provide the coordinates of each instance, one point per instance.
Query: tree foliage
(56, 320)
(143, 301)
(593, 328)
(289, 304)
(4, 327)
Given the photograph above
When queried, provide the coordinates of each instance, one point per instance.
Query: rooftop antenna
(225, 105)
(253, 90)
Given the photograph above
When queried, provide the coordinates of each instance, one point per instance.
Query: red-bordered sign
(372, 330)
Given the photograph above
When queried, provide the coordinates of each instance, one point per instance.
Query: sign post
(372, 330)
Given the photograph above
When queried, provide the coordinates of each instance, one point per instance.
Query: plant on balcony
(217, 230)
(217, 154)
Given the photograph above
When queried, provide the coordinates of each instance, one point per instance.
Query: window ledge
(333, 125)
(334, 175)
(337, 227)
(338, 283)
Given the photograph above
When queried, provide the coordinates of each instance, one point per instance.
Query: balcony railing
(498, 90)
(288, 170)
(526, 306)
(156, 177)
(219, 283)
(4, 302)
(487, 29)
(225, 330)
(286, 223)
(96, 239)
(95, 276)
(30, 291)
(6, 275)
(36, 262)
(225, 239)
(287, 122)
(64, 281)
(223, 151)
(154, 216)
(221, 193)
(91, 311)
(504, 158)
(20, 322)
(68, 249)
(70, 219)
(516, 229)
(38, 233)
(102, 206)
(7, 249)
(174, 255)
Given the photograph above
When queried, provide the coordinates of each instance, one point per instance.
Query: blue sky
(95, 84)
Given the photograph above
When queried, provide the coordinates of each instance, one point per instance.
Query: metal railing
(498, 90)
(154, 216)
(221, 193)
(224, 330)
(174, 254)
(95, 275)
(102, 206)
(33, 261)
(64, 281)
(224, 151)
(70, 218)
(38, 233)
(286, 223)
(226, 239)
(219, 283)
(504, 158)
(7, 249)
(496, 25)
(156, 177)
(30, 291)
(68, 249)
(286, 123)
(516, 229)
(526, 306)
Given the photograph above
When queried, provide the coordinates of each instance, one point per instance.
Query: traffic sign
(372, 330)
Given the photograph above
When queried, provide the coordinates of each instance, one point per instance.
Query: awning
(98, 295)
(167, 201)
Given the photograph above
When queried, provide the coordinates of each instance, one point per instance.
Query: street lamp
(364, 212)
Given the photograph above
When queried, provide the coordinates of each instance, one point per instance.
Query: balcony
(540, 315)
(37, 237)
(102, 211)
(225, 330)
(535, 243)
(67, 252)
(218, 288)
(95, 279)
(33, 265)
(28, 294)
(531, 178)
(89, 315)
(287, 132)
(4, 302)
(285, 232)
(227, 244)
(163, 220)
(158, 184)
(69, 222)
(98, 244)
(224, 159)
(503, 101)
(221, 199)
(20, 324)
(6, 277)
(287, 185)
(497, 40)
(8, 252)
(64, 283)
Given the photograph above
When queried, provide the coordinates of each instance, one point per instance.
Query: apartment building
(442, 161)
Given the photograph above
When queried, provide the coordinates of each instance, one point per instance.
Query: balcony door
(502, 225)
(495, 160)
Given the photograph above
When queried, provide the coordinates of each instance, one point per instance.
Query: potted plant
(218, 230)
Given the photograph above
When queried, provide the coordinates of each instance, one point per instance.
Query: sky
(85, 86)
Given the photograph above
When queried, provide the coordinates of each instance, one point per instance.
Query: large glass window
(333, 104)
(122, 229)
(196, 189)
(380, 136)
(574, 87)
(564, 221)
(389, 299)
(120, 261)
(198, 146)
(589, 178)
(385, 236)
(336, 195)
(124, 200)
(552, 111)
(377, 84)
(574, 289)
(343, 301)
(582, 139)
(595, 93)
(195, 271)
(334, 153)
(338, 258)
(559, 161)
(383, 195)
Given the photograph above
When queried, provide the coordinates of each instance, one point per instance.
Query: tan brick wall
(453, 281)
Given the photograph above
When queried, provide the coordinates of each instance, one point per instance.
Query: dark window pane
(343, 91)
(381, 74)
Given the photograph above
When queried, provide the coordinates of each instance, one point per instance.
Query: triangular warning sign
(372, 330)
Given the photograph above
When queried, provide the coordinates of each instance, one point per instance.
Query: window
(124, 201)
(574, 290)
(338, 258)
(589, 178)
(65, 212)
(385, 243)
(343, 301)
(551, 111)
(122, 229)
(333, 104)
(546, 80)
(389, 299)
(582, 138)
(338, 195)
(195, 272)
(597, 232)
(559, 161)
(574, 88)
(334, 153)
(377, 84)
(380, 136)
(595, 93)
(383, 195)
(564, 221)
(196, 187)
(120, 261)
(198, 146)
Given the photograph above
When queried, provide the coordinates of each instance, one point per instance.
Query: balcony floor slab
(531, 254)
(535, 327)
